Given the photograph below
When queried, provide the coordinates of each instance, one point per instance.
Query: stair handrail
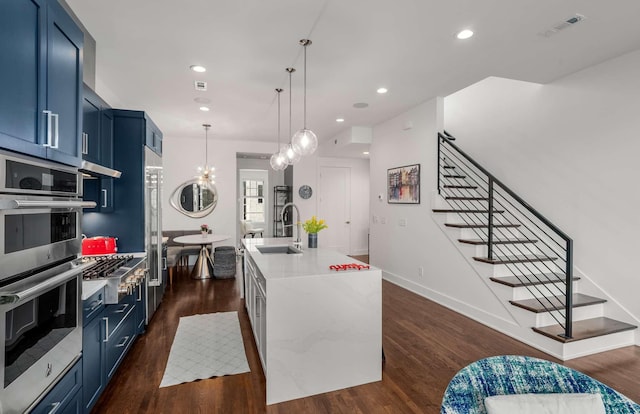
(526, 205)
(492, 180)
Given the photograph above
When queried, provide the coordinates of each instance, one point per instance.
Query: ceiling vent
(200, 85)
(569, 22)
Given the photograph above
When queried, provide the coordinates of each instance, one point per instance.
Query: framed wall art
(403, 185)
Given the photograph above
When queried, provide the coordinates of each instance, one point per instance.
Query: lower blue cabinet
(66, 396)
(119, 343)
(108, 333)
(94, 368)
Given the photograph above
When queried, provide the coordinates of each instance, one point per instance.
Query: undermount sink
(283, 249)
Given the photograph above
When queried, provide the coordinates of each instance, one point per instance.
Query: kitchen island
(316, 329)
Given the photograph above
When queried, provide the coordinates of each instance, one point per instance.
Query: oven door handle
(33, 291)
(15, 204)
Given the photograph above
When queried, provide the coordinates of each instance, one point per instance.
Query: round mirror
(194, 198)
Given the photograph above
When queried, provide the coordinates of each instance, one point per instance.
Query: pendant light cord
(290, 71)
(278, 90)
(305, 87)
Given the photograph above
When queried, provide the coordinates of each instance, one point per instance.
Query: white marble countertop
(312, 262)
(89, 287)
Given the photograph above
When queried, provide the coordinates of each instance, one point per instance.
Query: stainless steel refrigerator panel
(153, 230)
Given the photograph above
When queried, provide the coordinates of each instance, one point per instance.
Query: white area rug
(205, 346)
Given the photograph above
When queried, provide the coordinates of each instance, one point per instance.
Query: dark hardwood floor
(425, 345)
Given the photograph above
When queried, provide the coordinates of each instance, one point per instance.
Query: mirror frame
(174, 200)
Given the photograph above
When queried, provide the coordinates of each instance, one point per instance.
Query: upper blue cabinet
(40, 80)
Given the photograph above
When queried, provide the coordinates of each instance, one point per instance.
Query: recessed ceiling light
(203, 100)
(198, 68)
(382, 90)
(360, 105)
(365, 153)
(464, 34)
(204, 108)
(339, 119)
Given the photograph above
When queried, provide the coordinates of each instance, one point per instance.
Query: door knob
(347, 222)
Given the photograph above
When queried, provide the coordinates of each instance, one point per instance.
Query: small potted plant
(313, 226)
(204, 229)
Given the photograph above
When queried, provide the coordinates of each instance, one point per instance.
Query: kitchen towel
(205, 346)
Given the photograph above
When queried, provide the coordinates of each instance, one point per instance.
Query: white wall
(400, 251)
(181, 156)
(307, 172)
(570, 148)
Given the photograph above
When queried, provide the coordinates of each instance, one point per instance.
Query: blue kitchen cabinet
(41, 80)
(65, 397)
(91, 144)
(121, 332)
(140, 294)
(153, 137)
(97, 147)
(93, 350)
(127, 222)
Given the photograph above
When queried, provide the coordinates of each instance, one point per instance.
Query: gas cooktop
(121, 273)
(109, 266)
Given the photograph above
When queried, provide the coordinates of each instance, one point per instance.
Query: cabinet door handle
(164, 263)
(49, 134)
(54, 407)
(95, 304)
(57, 129)
(104, 197)
(123, 342)
(106, 329)
(124, 308)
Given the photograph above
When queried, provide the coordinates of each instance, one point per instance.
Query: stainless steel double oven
(40, 277)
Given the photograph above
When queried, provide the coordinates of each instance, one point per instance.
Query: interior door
(335, 208)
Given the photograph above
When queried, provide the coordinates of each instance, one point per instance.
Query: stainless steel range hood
(99, 170)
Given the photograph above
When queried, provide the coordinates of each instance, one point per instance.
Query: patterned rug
(205, 346)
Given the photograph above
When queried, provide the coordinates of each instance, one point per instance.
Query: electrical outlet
(402, 222)
(383, 220)
(374, 219)
(420, 271)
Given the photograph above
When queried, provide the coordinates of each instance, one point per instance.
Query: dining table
(203, 268)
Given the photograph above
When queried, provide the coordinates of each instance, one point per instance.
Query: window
(253, 200)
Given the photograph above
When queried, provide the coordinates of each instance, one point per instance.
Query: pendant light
(290, 155)
(277, 160)
(206, 172)
(305, 140)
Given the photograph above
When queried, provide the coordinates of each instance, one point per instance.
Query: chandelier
(206, 172)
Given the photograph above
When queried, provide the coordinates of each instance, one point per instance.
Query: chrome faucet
(297, 241)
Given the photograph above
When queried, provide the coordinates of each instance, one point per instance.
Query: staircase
(524, 250)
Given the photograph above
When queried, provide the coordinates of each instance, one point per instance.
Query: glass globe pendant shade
(277, 162)
(291, 156)
(304, 142)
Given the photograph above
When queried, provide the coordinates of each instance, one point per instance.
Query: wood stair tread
(588, 328)
(453, 210)
(449, 166)
(478, 226)
(531, 280)
(555, 302)
(466, 198)
(454, 176)
(514, 259)
(469, 187)
(479, 242)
